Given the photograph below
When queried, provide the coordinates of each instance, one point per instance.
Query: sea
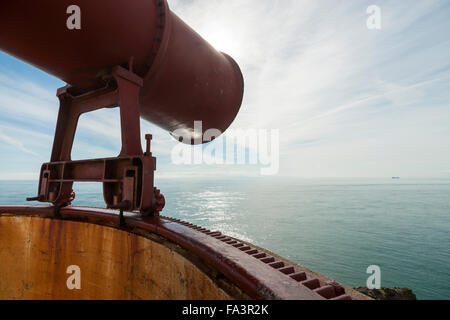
(336, 227)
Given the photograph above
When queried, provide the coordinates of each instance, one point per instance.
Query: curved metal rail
(257, 272)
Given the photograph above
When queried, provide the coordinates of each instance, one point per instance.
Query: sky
(348, 101)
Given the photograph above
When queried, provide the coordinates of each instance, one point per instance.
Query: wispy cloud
(369, 100)
(16, 143)
(348, 101)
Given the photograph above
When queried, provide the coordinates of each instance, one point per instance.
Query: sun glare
(223, 40)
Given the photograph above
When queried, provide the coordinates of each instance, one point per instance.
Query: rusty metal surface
(128, 180)
(114, 264)
(186, 79)
(256, 272)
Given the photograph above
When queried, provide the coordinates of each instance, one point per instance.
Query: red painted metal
(241, 263)
(128, 180)
(136, 55)
(185, 78)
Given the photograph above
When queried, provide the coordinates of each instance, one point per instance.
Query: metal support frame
(128, 180)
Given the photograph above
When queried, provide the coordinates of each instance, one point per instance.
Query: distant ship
(395, 178)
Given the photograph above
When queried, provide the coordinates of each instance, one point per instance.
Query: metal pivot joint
(128, 180)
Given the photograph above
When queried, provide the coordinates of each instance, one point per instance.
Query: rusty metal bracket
(57, 211)
(124, 205)
(128, 180)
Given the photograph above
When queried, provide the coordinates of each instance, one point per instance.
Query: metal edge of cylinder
(254, 270)
(159, 51)
(156, 61)
(240, 75)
